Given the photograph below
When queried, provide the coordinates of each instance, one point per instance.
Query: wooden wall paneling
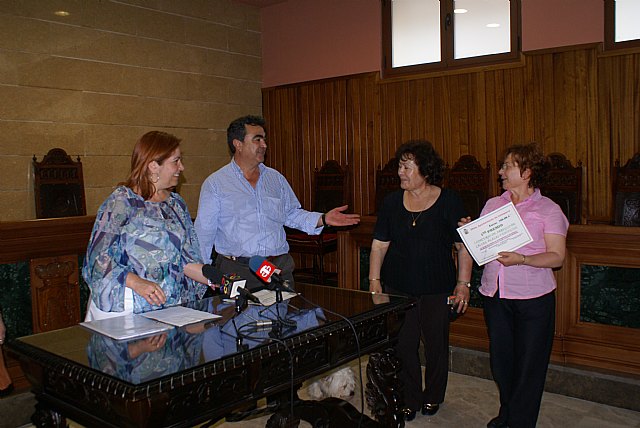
(618, 88)
(565, 103)
(364, 147)
(24, 240)
(636, 105)
(499, 132)
(593, 344)
(493, 151)
(513, 96)
(417, 112)
(459, 119)
(548, 100)
(477, 122)
(427, 103)
(628, 97)
(532, 96)
(599, 166)
(442, 130)
(576, 101)
(588, 141)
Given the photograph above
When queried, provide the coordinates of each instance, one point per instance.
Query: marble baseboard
(605, 388)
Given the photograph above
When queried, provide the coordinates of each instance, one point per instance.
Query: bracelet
(524, 259)
(374, 279)
(467, 283)
(324, 220)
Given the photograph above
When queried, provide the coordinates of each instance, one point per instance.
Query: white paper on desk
(500, 230)
(268, 297)
(179, 315)
(127, 326)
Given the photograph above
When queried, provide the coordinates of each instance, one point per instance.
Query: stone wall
(95, 80)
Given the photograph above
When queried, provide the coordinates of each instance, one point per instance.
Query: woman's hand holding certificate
(498, 231)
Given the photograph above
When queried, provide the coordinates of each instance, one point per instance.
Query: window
(621, 24)
(423, 35)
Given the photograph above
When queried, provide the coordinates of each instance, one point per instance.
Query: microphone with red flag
(268, 272)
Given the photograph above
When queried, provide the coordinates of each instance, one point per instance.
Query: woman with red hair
(143, 237)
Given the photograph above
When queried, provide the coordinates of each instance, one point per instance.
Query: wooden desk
(203, 372)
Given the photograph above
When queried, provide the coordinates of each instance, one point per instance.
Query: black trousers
(427, 321)
(521, 336)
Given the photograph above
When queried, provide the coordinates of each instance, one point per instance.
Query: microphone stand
(278, 286)
(241, 303)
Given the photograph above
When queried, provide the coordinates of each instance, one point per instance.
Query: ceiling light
(493, 25)
(460, 11)
(61, 13)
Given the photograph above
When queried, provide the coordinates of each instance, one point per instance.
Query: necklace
(415, 218)
(413, 224)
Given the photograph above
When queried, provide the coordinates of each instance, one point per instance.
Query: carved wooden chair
(626, 192)
(59, 186)
(55, 292)
(563, 185)
(387, 181)
(471, 181)
(330, 191)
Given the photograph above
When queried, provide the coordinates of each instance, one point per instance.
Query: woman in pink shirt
(519, 290)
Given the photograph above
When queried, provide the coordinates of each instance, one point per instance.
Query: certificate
(497, 231)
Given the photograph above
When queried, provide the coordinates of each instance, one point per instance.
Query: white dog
(339, 384)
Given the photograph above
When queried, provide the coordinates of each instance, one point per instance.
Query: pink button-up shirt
(541, 216)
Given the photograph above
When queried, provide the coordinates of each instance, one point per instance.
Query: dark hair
(430, 164)
(152, 146)
(530, 156)
(237, 130)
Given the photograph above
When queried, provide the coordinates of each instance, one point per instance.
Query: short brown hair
(530, 156)
(152, 146)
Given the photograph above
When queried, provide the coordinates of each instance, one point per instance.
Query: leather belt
(245, 260)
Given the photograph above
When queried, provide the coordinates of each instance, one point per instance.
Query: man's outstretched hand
(336, 217)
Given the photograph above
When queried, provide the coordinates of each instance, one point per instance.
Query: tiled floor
(470, 402)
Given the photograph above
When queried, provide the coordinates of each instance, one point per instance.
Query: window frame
(447, 61)
(610, 30)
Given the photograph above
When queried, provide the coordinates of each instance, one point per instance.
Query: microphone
(268, 272)
(230, 285)
(233, 286)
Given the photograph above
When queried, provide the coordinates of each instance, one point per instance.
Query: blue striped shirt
(242, 221)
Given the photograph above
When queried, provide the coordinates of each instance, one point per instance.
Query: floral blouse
(154, 240)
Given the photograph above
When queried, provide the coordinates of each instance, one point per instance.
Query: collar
(535, 196)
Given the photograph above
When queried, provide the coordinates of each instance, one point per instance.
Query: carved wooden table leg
(383, 392)
(45, 417)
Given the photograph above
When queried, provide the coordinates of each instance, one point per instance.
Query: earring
(157, 177)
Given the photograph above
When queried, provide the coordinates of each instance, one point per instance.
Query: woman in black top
(411, 254)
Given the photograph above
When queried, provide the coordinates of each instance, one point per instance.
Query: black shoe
(7, 391)
(430, 409)
(409, 414)
(497, 422)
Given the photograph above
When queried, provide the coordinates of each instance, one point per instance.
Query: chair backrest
(471, 181)
(626, 192)
(563, 185)
(59, 186)
(387, 181)
(330, 186)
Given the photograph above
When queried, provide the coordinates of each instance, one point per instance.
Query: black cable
(291, 402)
